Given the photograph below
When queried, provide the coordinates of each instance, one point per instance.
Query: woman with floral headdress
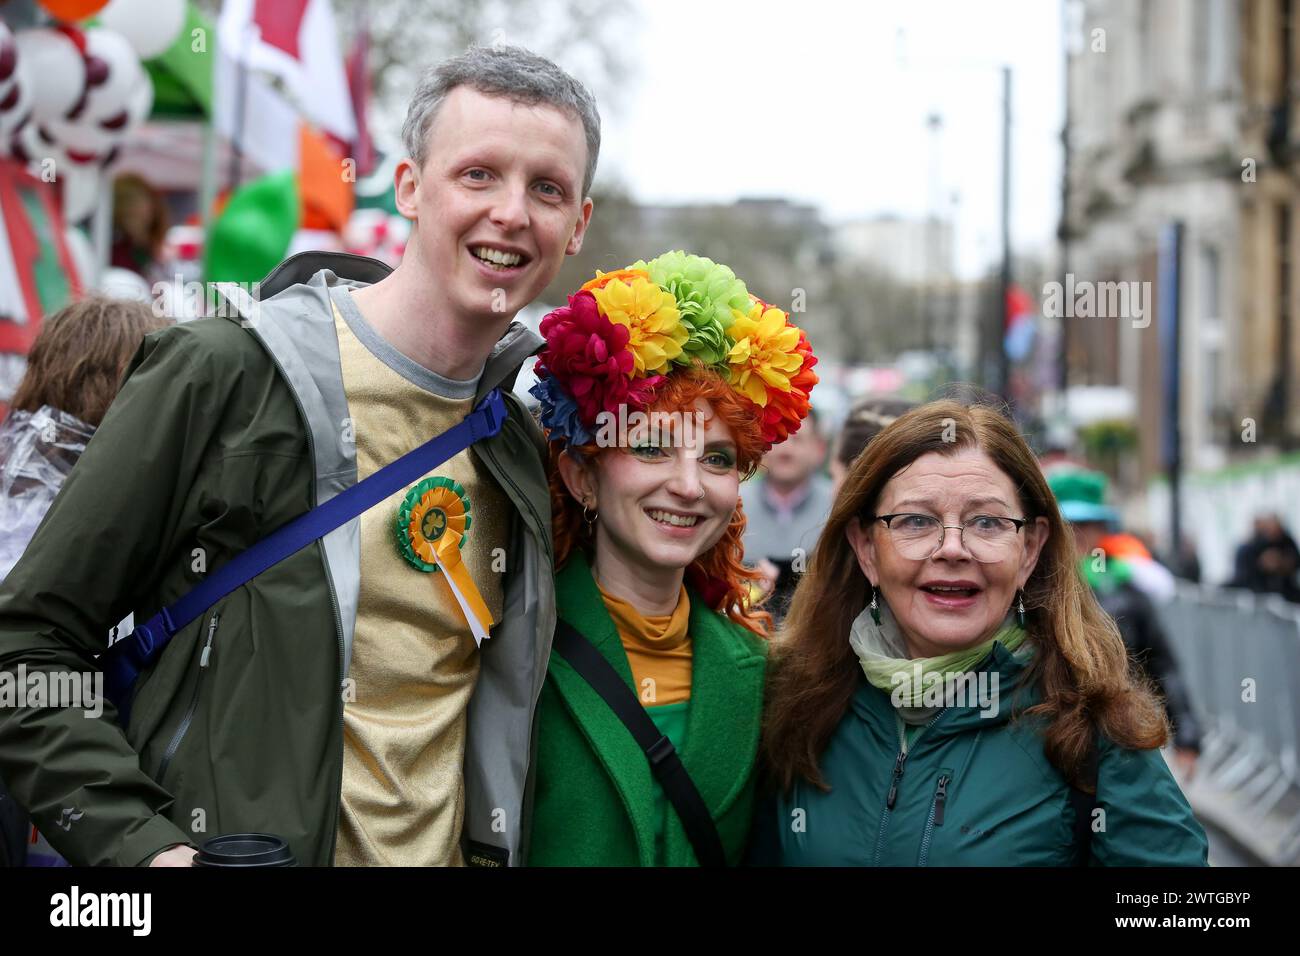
(661, 385)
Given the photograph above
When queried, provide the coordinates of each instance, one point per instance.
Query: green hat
(1081, 495)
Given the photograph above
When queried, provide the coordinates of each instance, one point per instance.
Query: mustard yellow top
(658, 649)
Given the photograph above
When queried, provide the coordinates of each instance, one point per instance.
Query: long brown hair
(719, 574)
(1080, 663)
(77, 360)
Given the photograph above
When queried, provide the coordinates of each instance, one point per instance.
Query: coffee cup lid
(244, 849)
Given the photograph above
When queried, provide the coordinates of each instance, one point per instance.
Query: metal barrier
(1240, 655)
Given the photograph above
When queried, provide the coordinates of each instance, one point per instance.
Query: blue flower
(560, 413)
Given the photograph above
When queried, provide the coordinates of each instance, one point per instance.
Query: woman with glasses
(946, 691)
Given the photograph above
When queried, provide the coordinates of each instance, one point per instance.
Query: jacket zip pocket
(935, 818)
(184, 727)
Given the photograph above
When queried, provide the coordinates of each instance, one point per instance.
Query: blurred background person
(1081, 496)
(786, 506)
(140, 223)
(865, 419)
(1184, 562)
(1267, 562)
(1150, 576)
(73, 373)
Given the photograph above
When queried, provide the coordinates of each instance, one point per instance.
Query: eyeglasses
(916, 537)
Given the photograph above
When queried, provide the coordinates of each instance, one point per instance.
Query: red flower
(589, 355)
(786, 411)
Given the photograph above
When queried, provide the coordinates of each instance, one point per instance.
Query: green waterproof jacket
(595, 800)
(224, 430)
(973, 789)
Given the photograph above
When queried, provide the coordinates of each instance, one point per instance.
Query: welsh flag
(292, 141)
(297, 41)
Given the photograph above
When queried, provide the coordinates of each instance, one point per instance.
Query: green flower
(706, 292)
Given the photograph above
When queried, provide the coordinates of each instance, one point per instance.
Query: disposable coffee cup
(245, 850)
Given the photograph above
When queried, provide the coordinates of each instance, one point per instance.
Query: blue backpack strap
(123, 662)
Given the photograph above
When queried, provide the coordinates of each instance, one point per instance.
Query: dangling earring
(588, 517)
(1020, 608)
(874, 606)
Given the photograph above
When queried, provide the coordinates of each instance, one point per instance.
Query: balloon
(150, 26)
(10, 90)
(69, 11)
(29, 147)
(119, 124)
(110, 110)
(140, 105)
(83, 142)
(54, 58)
(16, 100)
(124, 74)
(82, 187)
(253, 232)
(8, 53)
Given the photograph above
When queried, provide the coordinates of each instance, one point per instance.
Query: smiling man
(346, 698)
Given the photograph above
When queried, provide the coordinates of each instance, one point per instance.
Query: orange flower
(603, 278)
(764, 358)
(786, 412)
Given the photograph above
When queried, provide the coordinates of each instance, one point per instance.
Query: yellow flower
(764, 356)
(656, 332)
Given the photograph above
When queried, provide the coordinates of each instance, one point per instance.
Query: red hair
(719, 575)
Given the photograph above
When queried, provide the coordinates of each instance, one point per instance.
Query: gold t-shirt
(414, 661)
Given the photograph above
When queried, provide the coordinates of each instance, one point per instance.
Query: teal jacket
(594, 804)
(972, 790)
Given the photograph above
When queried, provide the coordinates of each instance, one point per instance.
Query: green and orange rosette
(433, 523)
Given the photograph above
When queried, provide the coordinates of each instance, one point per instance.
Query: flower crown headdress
(625, 331)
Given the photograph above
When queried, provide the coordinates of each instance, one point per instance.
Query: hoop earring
(589, 517)
(1020, 608)
(874, 606)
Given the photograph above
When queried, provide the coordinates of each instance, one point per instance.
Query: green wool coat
(594, 803)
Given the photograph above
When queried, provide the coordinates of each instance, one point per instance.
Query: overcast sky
(837, 94)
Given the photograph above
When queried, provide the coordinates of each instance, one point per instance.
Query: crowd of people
(389, 613)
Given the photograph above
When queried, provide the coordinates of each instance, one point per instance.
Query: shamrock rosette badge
(624, 332)
(432, 508)
(432, 526)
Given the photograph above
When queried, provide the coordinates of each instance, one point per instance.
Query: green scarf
(882, 654)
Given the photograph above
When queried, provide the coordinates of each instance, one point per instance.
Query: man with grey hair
(368, 705)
